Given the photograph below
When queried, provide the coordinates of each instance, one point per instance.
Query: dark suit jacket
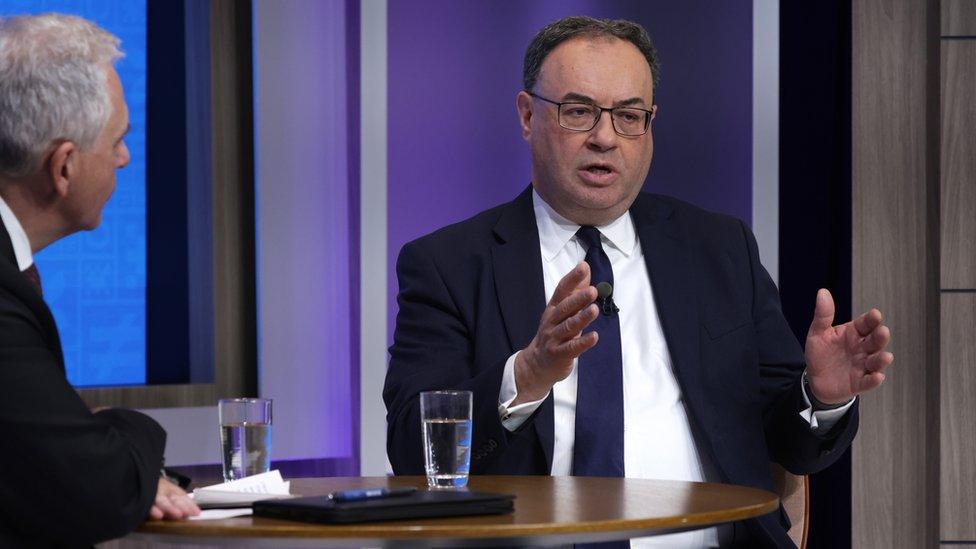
(70, 477)
(471, 294)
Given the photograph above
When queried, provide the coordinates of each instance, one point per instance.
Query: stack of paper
(242, 492)
(220, 514)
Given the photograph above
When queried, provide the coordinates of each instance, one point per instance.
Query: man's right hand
(172, 503)
(549, 356)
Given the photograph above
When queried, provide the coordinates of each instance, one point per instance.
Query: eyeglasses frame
(559, 108)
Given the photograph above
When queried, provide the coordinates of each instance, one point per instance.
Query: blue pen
(346, 496)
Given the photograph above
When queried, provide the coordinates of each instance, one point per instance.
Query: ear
(62, 167)
(523, 102)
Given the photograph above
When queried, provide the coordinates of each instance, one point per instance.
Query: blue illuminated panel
(95, 282)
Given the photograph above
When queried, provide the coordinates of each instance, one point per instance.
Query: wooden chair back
(794, 492)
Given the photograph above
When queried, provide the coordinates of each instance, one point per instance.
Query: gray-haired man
(70, 476)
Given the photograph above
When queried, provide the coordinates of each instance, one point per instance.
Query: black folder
(421, 504)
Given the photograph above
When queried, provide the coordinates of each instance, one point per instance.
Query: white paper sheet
(217, 514)
(268, 485)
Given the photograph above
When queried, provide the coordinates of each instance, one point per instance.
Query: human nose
(123, 155)
(603, 136)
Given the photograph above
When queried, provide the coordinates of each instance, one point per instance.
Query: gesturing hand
(172, 503)
(843, 361)
(549, 356)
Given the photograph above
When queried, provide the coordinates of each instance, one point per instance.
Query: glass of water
(245, 436)
(446, 417)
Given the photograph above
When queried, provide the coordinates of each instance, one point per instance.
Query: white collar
(555, 231)
(22, 247)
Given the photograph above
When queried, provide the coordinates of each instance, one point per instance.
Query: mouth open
(598, 174)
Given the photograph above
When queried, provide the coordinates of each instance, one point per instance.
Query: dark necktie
(33, 276)
(599, 446)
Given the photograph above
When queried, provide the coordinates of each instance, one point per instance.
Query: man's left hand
(843, 361)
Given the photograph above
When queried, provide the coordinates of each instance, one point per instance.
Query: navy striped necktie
(599, 446)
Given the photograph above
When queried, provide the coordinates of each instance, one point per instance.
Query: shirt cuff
(822, 420)
(513, 416)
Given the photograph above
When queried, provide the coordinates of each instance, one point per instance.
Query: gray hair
(578, 26)
(52, 86)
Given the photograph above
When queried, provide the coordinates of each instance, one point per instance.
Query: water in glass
(448, 452)
(246, 448)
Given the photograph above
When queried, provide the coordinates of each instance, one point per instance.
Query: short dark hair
(577, 26)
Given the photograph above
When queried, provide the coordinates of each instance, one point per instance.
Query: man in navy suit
(687, 370)
(69, 476)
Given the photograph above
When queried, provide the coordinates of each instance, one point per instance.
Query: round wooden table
(548, 511)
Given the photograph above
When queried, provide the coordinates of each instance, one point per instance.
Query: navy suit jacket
(472, 294)
(68, 477)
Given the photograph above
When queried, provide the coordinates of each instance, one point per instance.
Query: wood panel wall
(958, 448)
(959, 163)
(914, 231)
(894, 267)
(959, 18)
(958, 277)
(235, 287)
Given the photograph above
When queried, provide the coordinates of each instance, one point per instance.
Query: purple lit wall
(454, 142)
(306, 119)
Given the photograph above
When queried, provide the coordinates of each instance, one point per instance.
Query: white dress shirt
(22, 247)
(658, 438)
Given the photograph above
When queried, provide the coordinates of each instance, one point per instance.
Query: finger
(174, 512)
(878, 362)
(576, 302)
(177, 511)
(579, 276)
(870, 381)
(155, 513)
(181, 501)
(876, 340)
(576, 346)
(867, 322)
(187, 506)
(823, 313)
(169, 510)
(575, 324)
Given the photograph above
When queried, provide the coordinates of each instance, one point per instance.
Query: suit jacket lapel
(520, 287)
(672, 273)
(7, 247)
(26, 291)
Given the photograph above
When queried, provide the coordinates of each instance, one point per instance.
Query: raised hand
(548, 358)
(845, 360)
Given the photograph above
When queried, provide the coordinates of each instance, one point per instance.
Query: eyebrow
(578, 97)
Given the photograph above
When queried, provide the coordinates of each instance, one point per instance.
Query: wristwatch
(817, 405)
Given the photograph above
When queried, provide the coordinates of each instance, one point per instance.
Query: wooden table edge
(282, 529)
(451, 531)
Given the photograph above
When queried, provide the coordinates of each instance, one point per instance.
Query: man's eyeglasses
(583, 117)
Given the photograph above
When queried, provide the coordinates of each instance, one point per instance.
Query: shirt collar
(18, 238)
(555, 231)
